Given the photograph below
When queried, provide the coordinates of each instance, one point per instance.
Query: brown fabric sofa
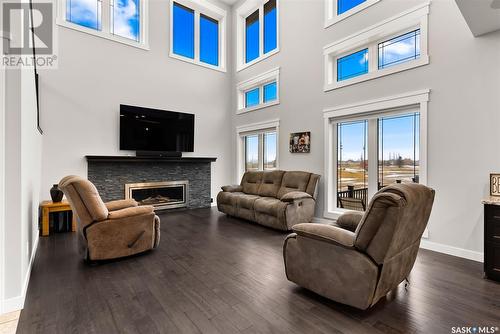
(364, 256)
(276, 199)
(109, 230)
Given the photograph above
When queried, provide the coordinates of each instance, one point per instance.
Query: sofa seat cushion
(247, 201)
(271, 206)
(228, 198)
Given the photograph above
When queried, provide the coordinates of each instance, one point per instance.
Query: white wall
(464, 78)
(21, 170)
(80, 100)
(22, 175)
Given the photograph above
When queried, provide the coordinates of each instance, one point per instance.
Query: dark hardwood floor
(214, 274)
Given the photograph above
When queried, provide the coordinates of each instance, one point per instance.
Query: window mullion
(106, 22)
(197, 36)
(261, 151)
(261, 30)
(372, 58)
(372, 157)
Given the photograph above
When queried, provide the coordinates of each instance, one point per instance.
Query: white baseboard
(17, 303)
(430, 245)
(451, 250)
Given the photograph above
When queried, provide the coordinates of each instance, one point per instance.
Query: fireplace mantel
(131, 158)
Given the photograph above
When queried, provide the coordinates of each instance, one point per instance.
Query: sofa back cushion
(251, 182)
(293, 181)
(271, 182)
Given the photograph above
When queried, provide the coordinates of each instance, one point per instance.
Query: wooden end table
(48, 207)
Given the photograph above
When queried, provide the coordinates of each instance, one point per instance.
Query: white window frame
(387, 106)
(247, 8)
(412, 19)
(206, 8)
(105, 32)
(259, 82)
(251, 129)
(331, 6)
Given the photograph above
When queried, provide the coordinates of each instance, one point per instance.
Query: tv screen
(144, 129)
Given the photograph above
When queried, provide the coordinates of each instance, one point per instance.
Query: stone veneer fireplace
(161, 195)
(111, 174)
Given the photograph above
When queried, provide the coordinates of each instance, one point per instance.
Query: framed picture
(495, 184)
(300, 142)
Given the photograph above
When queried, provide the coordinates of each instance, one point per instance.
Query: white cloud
(124, 11)
(84, 11)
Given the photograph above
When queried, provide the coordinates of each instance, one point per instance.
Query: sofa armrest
(120, 204)
(129, 212)
(294, 195)
(232, 188)
(327, 233)
(350, 220)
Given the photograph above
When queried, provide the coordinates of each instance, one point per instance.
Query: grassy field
(353, 174)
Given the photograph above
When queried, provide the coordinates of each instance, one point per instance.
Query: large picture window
(198, 33)
(257, 32)
(118, 20)
(397, 139)
(371, 145)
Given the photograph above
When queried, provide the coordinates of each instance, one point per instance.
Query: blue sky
(345, 5)
(392, 52)
(397, 138)
(87, 13)
(252, 148)
(252, 34)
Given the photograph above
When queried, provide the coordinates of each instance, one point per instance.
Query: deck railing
(361, 193)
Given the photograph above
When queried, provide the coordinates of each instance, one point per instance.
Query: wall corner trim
(17, 303)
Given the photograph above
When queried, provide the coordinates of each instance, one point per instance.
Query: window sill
(329, 21)
(101, 34)
(255, 61)
(195, 62)
(257, 107)
(423, 60)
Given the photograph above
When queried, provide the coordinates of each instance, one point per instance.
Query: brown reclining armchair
(113, 229)
(366, 255)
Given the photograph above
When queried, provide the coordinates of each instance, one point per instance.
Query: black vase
(56, 193)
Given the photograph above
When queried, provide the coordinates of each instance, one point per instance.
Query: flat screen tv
(144, 129)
